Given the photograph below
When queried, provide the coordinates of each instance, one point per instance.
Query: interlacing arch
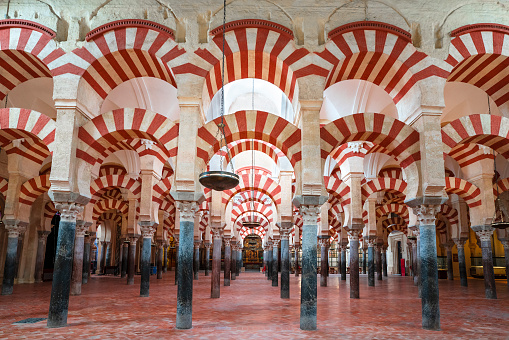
(121, 124)
(391, 172)
(469, 153)
(488, 130)
(27, 51)
(112, 181)
(112, 169)
(379, 53)
(479, 54)
(258, 125)
(466, 190)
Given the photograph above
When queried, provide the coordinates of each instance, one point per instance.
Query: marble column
(165, 258)
(378, 253)
(147, 232)
(275, 263)
(77, 267)
(505, 243)
(125, 253)
(371, 260)
(308, 288)
(353, 237)
(196, 260)
(13, 231)
(428, 266)
(285, 262)
(176, 259)
(160, 258)
(227, 260)
(61, 285)
(343, 263)
(460, 244)
(207, 258)
(270, 257)
(108, 255)
(384, 260)
(21, 239)
(324, 260)
(484, 233)
(187, 211)
(240, 260)
(102, 269)
(86, 259)
(131, 260)
(264, 262)
(412, 240)
(215, 282)
(42, 236)
(297, 245)
(450, 272)
(233, 264)
(364, 260)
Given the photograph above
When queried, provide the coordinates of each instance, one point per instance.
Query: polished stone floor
(252, 309)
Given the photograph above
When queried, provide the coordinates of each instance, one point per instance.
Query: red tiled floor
(252, 309)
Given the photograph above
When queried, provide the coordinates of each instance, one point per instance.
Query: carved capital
(285, 235)
(187, 210)
(505, 243)
(310, 214)
(13, 231)
(81, 229)
(227, 241)
(68, 210)
(354, 234)
(207, 245)
(411, 242)
(216, 233)
(324, 242)
(147, 231)
(197, 244)
(484, 235)
(460, 242)
(426, 213)
(371, 242)
(42, 235)
(133, 241)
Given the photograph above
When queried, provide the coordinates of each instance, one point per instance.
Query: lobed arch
(392, 134)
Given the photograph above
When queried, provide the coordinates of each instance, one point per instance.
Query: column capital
(309, 213)
(216, 233)
(371, 241)
(187, 210)
(227, 241)
(484, 234)
(147, 231)
(207, 245)
(324, 242)
(275, 243)
(43, 234)
(81, 230)
(133, 240)
(505, 243)
(353, 234)
(460, 242)
(426, 213)
(197, 244)
(68, 210)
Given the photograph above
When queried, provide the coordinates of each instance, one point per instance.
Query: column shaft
(207, 259)
(165, 258)
(10, 265)
(131, 259)
(384, 262)
(125, 253)
(450, 272)
(216, 268)
(323, 265)
(354, 268)
(285, 268)
(379, 263)
(77, 268)
(270, 257)
(429, 277)
(145, 266)
(196, 263)
(227, 259)
(308, 289)
(371, 266)
(275, 276)
(506, 254)
(343, 264)
(103, 258)
(176, 263)
(233, 265)
(364, 261)
(86, 261)
(296, 260)
(462, 265)
(160, 257)
(61, 285)
(41, 252)
(489, 274)
(185, 275)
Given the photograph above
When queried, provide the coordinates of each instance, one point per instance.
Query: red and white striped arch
(109, 204)
(106, 130)
(397, 137)
(379, 53)
(123, 50)
(466, 190)
(258, 125)
(503, 185)
(391, 172)
(469, 153)
(107, 216)
(343, 152)
(27, 51)
(382, 184)
(240, 146)
(395, 224)
(400, 209)
(338, 190)
(488, 130)
(261, 184)
(112, 169)
(113, 181)
(37, 129)
(162, 191)
(254, 49)
(450, 213)
(441, 226)
(32, 189)
(248, 207)
(479, 54)
(258, 170)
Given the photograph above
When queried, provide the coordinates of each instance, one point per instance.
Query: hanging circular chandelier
(500, 219)
(221, 180)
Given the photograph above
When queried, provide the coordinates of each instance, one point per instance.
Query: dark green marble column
(61, 285)
(147, 232)
(484, 235)
(207, 258)
(215, 282)
(285, 265)
(13, 231)
(460, 244)
(275, 264)
(371, 262)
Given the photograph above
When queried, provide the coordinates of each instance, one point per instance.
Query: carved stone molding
(68, 211)
(42, 235)
(275, 243)
(426, 214)
(13, 230)
(216, 233)
(324, 242)
(371, 242)
(81, 229)
(133, 240)
(310, 214)
(187, 210)
(227, 242)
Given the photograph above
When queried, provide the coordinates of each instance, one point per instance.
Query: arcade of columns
(124, 177)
